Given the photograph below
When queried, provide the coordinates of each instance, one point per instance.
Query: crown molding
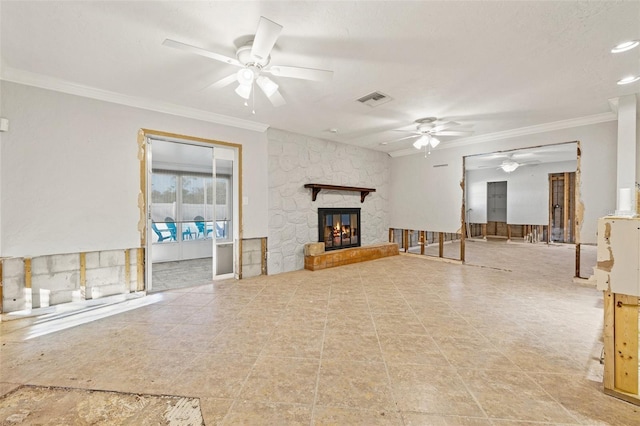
(522, 131)
(45, 82)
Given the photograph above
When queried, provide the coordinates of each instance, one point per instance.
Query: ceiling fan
(510, 163)
(426, 131)
(254, 61)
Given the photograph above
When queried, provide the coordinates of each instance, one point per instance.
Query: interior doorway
(192, 192)
(497, 209)
(562, 189)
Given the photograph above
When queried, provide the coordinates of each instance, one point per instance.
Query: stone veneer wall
(295, 160)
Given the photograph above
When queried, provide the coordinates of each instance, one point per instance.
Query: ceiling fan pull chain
(253, 99)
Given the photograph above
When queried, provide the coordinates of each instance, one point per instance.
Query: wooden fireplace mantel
(316, 187)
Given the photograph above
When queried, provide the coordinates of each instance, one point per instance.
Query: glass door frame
(144, 156)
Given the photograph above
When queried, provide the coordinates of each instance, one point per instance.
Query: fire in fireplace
(339, 227)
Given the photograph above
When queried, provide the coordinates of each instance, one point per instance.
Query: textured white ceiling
(492, 66)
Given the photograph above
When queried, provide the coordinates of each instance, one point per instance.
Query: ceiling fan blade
(276, 99)
(452, 133)
(401, 139)
(223, 82)
(443, 125)
(201, 52)
(299, 72)
(407, 131)
(266, 36)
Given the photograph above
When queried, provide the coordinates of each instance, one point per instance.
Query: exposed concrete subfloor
(180, 274)
(400, 340)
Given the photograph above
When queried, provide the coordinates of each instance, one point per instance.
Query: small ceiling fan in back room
(254, 61)
(426, 131)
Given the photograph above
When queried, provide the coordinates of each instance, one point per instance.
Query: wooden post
(462, 247)
(422, 242)
(626, 343)
(140, 285)
(577, 261)
(565, 209)
(484, 231)
(405, 238)
(607, 335)
(441, 244)
(1, 299)
(508, 232)
(391, 235)
(127, 271)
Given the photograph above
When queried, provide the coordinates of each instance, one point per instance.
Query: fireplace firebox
(339, 227)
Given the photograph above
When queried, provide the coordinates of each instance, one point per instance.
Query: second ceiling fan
(426, 131)
(254, 60)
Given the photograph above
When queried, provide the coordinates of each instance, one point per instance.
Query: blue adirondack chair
(199, 220)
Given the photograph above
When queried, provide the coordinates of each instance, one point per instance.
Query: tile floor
(401, 341)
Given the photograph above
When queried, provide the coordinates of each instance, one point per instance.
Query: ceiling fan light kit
(509, 166)
(254, 58)
(244, 91)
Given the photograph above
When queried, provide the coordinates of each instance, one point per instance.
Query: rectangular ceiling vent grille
(374, 99)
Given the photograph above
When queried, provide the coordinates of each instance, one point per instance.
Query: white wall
(70, 172)
(527, 192)
(424, 197)
(295, 160)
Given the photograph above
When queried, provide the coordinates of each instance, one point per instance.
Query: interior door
(497, 208)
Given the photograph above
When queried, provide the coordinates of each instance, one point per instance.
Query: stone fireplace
(339, 227)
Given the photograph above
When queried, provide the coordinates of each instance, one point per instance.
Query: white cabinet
(618, 267)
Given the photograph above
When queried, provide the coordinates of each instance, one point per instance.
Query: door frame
(144, 158)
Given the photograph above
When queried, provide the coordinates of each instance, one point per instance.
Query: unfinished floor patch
(29, 405)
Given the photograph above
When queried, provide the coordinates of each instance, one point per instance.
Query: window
(188, 214)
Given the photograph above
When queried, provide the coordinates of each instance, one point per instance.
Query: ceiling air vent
(374, 99)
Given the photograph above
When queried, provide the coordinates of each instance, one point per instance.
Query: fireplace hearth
(339, 227)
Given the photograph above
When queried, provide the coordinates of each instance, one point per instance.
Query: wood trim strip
(27, 272)
(565, 208)
(127, 271)
(83, 270)
(263, 250)
(140, 284)
(608, 336)
(440, 244)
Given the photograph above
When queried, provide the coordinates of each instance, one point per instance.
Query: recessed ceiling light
(630, 79)
(627, 45)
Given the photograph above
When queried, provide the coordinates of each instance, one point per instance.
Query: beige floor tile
(404, 323)
(268, 413)
(411, 349)
(282, 380)
(509, 395)
(353, 384)
(214, 410)
(294, 343)
(240, 340)
(474, 354)
(430, 389)
(350, 322)
(214, 375)
(419, 419)
(586, 401)
(351, 346)
(349, 416)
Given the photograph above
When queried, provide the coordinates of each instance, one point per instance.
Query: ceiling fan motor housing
(248, 60)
